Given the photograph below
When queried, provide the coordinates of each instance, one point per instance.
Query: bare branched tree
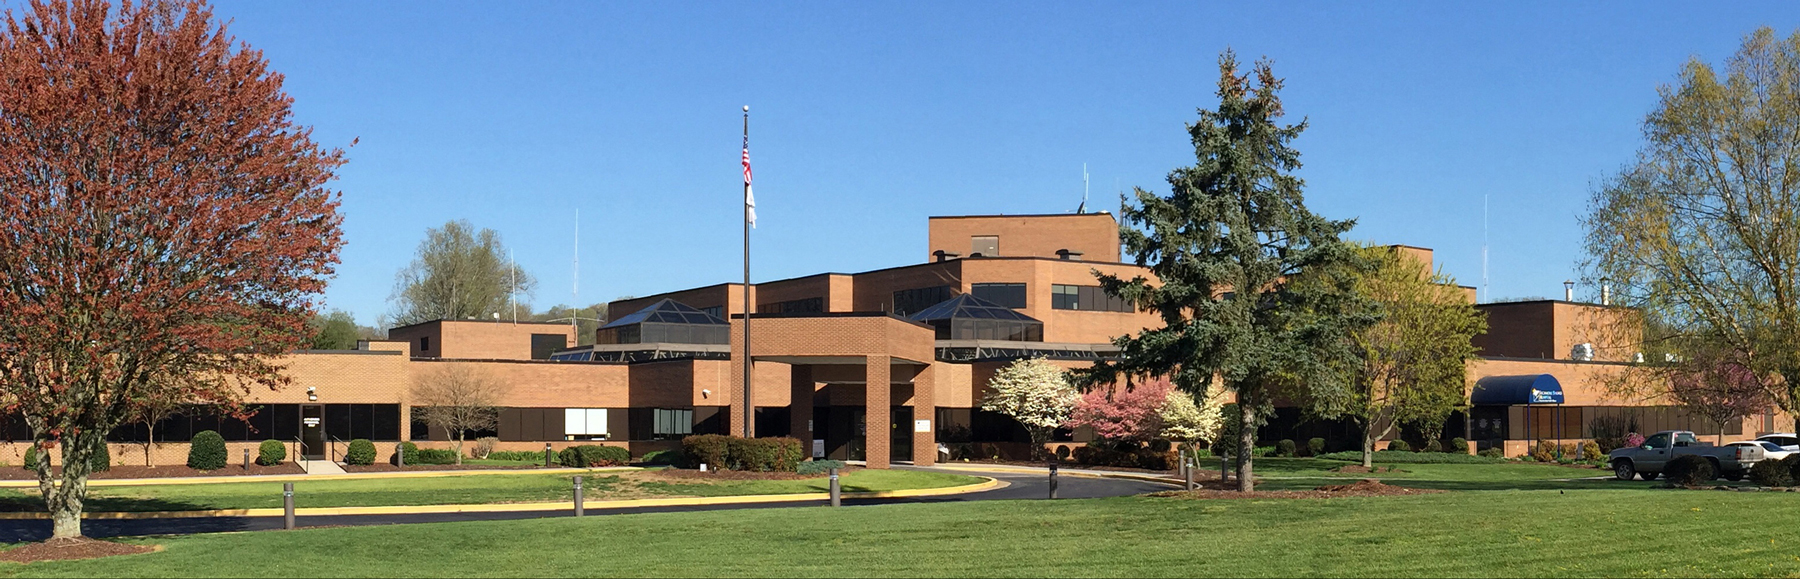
(457, 399)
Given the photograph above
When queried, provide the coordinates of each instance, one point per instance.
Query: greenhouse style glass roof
(967, 306)
(667, 311)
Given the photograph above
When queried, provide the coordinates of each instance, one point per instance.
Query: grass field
(1474, 533)
(451, 490)
(1298, 473)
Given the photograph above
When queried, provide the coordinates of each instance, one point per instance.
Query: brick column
(800, 405)
(878, 396)
(924, 450)
(733, 390)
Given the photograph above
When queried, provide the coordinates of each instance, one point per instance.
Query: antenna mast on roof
(575, 290)
(512, 290)
(1485, 293)
(1084, 190)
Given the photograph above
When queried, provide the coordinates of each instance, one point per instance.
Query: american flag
(749, 198)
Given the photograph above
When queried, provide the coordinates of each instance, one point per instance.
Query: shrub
(754, 454)
(271, 453)
(664, 457)
(1545, 451)
(484, 447)
(1610, 432)
(1772, 473)
(1569, 452)
(206, 451)
(1633, 440)
(1315, 447)
(1161, 445)
(1459, 445)
(1793, 466)
(1590, 450)
(31, 457)
(1493, 452)
(790, 452)
(1399, 446)
(361, 453)
(1261, 451)
(424, 456)
(1688, 470)
(532, 456)
(101, 459)
(1063, 453)
(707, 449)
(1285, 447)
(1405, 457)
(587, 455)
(819, 466)
(1431, 445)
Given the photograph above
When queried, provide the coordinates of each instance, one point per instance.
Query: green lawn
(1475, 533)
(473, 489)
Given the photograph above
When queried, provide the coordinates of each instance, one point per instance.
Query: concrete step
(321, 467)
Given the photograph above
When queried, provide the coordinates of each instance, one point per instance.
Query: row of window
(1086, 298)
(1014, 295)
(547, 424)
(800, 306)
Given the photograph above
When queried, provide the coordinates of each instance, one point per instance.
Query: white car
(1786, 440)
(1771, 451)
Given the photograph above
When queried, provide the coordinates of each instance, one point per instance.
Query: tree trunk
(1368, 454)
(1246, 441)
(459, 441)
(65, 500)
(149, 441)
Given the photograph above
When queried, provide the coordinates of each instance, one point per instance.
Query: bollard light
(287, 506)
(246, 459)
(1053, 480)
(580, 508)
(546, 455)
(836, 491)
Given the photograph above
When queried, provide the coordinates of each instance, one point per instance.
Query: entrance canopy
(1510, 390)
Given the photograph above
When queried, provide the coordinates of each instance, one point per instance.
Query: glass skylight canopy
(667, 321)
(966, 317)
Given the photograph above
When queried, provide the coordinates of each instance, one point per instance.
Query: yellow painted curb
(987, 483)
(1089, 474)
(282, 478)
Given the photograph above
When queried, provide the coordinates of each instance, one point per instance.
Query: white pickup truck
(1730, 462)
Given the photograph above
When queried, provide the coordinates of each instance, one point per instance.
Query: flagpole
(749, 364)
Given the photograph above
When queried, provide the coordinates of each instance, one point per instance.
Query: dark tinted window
(1011, 295)
(907, 302)
(542, 345)
(1086, 297)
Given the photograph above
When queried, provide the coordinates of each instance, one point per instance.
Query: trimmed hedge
(1688, 470)
(1315, 446)
(1398, 445)
(271, 453)
(31, 457)
(206, 451)
(360, 453)
(752, 454)
(1404, 457)
(1285, 447)
(1459, 445)
(819, 466)
(422, 456)
(1103, 454)
(1545, 451)
(536, 456)
(587, 455)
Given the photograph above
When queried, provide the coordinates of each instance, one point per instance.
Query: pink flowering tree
(1127, 414)
(1719, 386)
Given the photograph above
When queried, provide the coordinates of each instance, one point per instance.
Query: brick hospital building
(879, 366)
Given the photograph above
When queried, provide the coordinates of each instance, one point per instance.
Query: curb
(989, 483)
(275, 478)
(1074, 473)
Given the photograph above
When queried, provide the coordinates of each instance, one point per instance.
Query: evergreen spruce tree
(1254, 290)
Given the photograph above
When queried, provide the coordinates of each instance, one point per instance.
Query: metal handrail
(299, 453)
(331, 453)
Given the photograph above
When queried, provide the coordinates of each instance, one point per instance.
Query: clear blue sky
(868, 118)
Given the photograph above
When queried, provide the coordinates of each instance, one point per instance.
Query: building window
(715, 311)
(801, 306)
(912, 301)
(543, 345)
(672, 422)
(1011, 295)
(585, 424)
(1086, 298)
(424, 344)
(984, 246)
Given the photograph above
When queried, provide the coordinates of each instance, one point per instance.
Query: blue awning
(1509, 390)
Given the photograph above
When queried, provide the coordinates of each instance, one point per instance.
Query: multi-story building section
(880, 366)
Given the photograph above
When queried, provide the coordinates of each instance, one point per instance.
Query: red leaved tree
(1133, 414)
(164, 225)
(1718, 385)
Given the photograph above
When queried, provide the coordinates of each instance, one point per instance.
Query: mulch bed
(1360, 469)
(1200, 472)
(67, 549)
(384, 467)
(695, 475)
(1363, 488)
(131, 472)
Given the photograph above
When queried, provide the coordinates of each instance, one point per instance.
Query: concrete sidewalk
(227, 479)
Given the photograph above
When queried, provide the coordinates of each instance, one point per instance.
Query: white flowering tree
(1034, 392)
(1185, 422)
